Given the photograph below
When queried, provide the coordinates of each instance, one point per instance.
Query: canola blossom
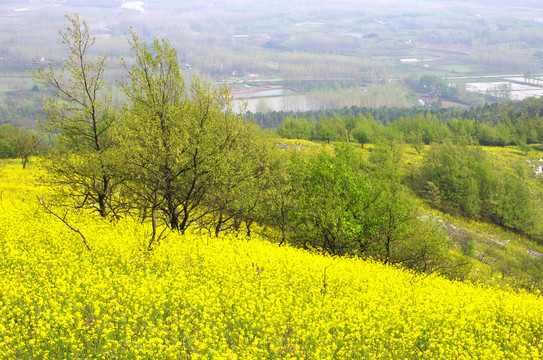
(232, 297)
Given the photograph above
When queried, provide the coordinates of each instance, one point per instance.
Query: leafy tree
(415, 139)
(351, 123)
(279, 202)
(327, 130)
(246, 171)
(6, 146)
(186, 154)
(487, 181)
(430, 128)
(435, 84)
(333, 205)
(487, 135)
(514, 208)
(151, 133)
(24, 144)
(332, 198)
(78, 107)
(432, 193)
(295, 128)
(447, 167)
(399, 232)
(362, 135)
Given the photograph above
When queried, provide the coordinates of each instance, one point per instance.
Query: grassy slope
(199, 297)
(498, 257)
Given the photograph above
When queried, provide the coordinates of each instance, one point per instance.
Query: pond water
(516, 91)
(278, 103)
(263, 93)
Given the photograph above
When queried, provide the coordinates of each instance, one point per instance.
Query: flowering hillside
(200, 297)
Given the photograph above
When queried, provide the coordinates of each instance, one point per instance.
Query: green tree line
(504, 124)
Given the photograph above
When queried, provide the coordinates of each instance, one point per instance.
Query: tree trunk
(219, 224)
(102, 196)
(185, 220)
(248, 226)
(102, 205)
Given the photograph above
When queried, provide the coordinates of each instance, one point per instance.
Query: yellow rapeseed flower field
(200, 297)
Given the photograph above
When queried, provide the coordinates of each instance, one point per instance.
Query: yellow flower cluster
(200, 297)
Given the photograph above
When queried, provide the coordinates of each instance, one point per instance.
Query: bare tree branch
(63, 219)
